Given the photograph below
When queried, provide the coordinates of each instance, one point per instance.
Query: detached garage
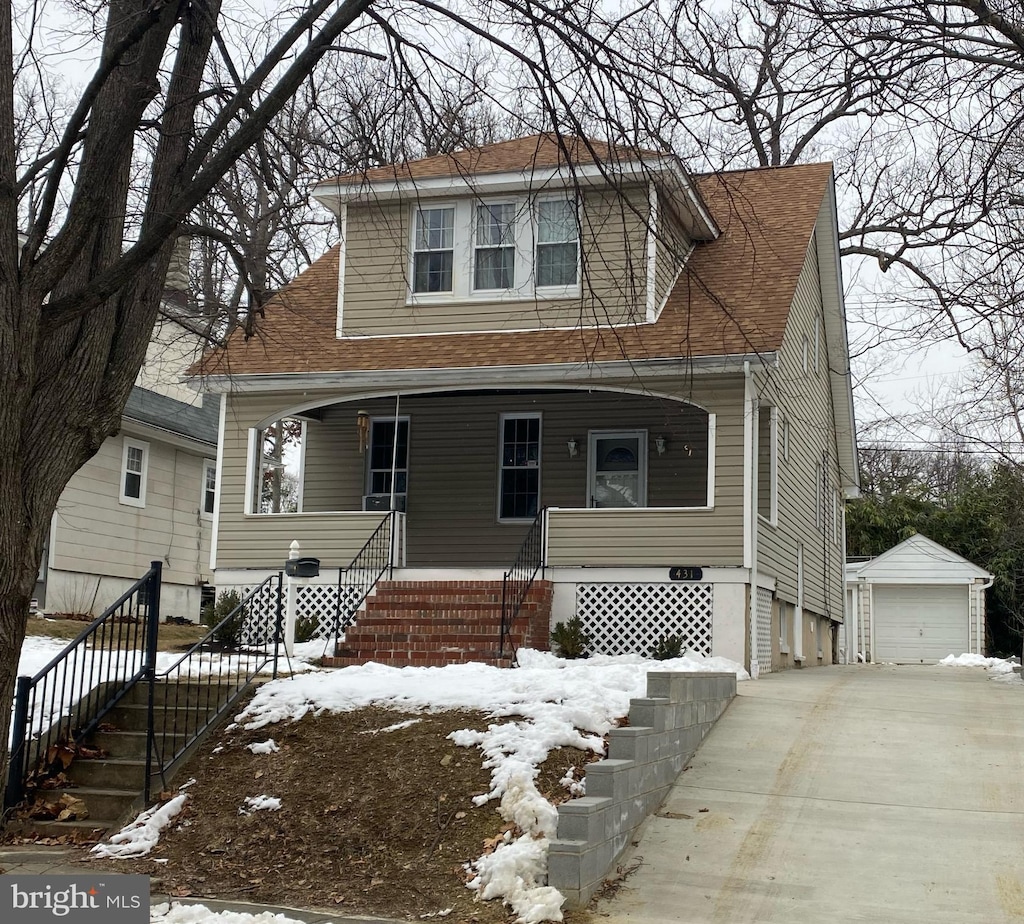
(915, 604)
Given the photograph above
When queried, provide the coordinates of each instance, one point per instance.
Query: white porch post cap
(293, 549)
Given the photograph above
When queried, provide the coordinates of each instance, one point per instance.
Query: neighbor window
(209, 487)
(520, 467)
(557, 242)
(495, 252)
(134, 470)
(434, 248)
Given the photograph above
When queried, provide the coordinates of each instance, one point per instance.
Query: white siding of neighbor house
(96, 535)
(804, 400)
(452, 505)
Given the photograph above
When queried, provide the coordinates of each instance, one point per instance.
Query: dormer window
(502, 249)
(557, 243)
(434, 250)
(494, 258)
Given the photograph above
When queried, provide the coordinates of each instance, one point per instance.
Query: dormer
(537, 233)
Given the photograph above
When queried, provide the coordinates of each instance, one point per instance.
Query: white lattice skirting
(316, 602)
(631, 618)
(764, 630)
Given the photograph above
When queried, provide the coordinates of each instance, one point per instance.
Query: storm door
(617, 468)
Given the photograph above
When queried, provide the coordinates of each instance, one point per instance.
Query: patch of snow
(260, 804)
(140, 836)
(200, 914)
(390, 728)
(576, 787)
(994, 665)
(264, 747)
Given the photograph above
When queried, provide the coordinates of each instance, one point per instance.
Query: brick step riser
(433, 661)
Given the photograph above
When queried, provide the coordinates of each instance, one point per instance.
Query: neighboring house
(148, 494)
(648, 370)
(915, 604)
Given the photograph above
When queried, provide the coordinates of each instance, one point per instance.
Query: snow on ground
(261, 803)
(557, 703)
(263, 747)
(200, 914)
(993, 665)
(140, 837)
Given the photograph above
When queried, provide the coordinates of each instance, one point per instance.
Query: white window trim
(130, 443)
(712, 438)
(254, 471)
(592, 437)
(520, 415)
(464, 251)
(208, 464)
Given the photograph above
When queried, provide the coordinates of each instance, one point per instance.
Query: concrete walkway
(867, 794)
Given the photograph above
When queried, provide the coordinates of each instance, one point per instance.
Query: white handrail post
(291, 597)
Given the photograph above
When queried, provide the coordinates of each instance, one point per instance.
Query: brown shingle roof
(537, 152)
(733, 298)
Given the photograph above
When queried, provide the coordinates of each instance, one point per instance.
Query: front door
(387, 464)
(617, 468)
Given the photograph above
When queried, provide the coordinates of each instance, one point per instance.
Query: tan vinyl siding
(804, 400)
(454, 474)
(96, 534)
(376, 271)
(672, 250)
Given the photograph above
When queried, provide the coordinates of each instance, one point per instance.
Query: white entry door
(917, 623)
(617, 468)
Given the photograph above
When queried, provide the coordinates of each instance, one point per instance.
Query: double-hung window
(209, 487)
(494, 257)
(519, 492)
(134, 469)
(434, 250)
(557, 243)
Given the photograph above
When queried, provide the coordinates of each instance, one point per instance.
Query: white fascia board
(339, 326)
(130, 425)
(540, 374)
(652, 251)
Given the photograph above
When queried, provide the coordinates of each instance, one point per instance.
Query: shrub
(306, 628)
(667, 647)
(230, 634)
(570, 639)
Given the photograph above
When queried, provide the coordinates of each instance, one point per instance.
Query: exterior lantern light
(573, 447)
(661, 444)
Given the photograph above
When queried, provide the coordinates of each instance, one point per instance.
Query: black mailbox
(302, 567)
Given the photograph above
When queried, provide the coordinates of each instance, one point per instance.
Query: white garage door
(916, 623)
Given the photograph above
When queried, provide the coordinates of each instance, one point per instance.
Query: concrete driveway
(881, 794)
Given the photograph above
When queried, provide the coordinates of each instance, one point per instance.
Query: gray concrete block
(647, 711)
(629, 743)
(596, 862)
(609, 778)
(563, 870)
(670, 685)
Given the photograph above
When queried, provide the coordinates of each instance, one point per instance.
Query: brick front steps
(433, 623)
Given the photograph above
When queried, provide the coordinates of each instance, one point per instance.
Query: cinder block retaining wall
(643, 761)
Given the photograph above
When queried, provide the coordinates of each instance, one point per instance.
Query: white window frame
(516, 245)
(209, 465)
(414, 249)
(124, 498)
(642, 450)
(464, 252)
(519, 415)
(255, 467)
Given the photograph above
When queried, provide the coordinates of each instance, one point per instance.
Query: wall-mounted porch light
(661, 444)
(573, 447)
(363, 429)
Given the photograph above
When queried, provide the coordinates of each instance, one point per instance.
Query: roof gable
(919, 558)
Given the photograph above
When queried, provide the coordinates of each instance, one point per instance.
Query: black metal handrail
(519, 579)
(355, 583)
(188, 697)
(69, 697)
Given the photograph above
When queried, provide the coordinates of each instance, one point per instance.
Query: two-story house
(549, 337)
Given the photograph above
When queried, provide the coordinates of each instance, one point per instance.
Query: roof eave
(540, 374)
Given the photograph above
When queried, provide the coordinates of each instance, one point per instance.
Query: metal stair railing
(518, 580)
(200, 686)
(356, 582)
(69, 697)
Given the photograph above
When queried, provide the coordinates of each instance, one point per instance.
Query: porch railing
(192, 694)
(373, 561)
(69, 697)
(519, 579)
